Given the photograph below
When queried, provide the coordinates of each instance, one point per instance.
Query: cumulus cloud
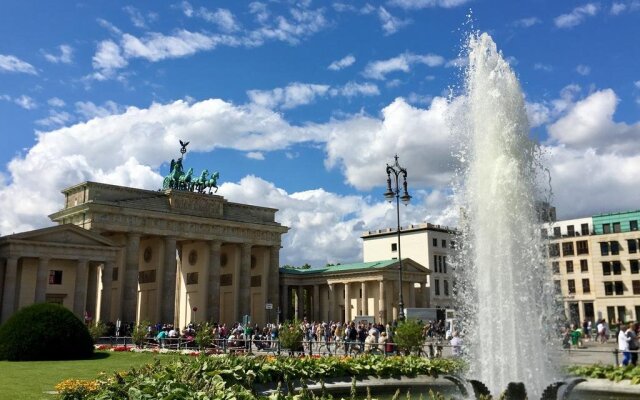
(617, 8)
(23, 101)
(107, 59)
(65, 56)
(255, 155)
(583, 70)
(138, 19)
(419, 4)
(390, 23)
(526, 22)
(56, 102)
(577, 16)
(342, 63)
(404, 62)
(9, 63)
(297, 94)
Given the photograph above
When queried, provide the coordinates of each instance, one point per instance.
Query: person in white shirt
(623, 346)
(456, 345)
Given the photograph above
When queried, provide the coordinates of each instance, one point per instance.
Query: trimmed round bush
(44, 332)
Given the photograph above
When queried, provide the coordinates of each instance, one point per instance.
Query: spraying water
(504, 286)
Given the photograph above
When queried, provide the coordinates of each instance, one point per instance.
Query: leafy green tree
(204, 336)
(139, 333)
(408, 336)
(291, 336)
(97, 330)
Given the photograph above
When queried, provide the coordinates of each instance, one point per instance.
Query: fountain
(504, 285)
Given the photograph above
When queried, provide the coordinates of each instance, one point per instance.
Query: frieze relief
(210, 207)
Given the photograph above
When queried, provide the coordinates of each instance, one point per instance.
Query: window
(435, 242)
(615, 248)
(446, 288)
(192, 278)
(606, 268)
(584, 266)
(618, 287)
(556, 231)
(567, 249)
(114, 274)
(436, 283)
(435, 263)
(586, 286)
(452, 244)
(55, 277)
(616, 227)
(394, 246)
(636, 287)
(633, 266)
(569, 267)
(148, 276)
(633, 225)
(444, 244)
(571, 284)
(226, 280)
(584, 229)
(444, 264)
(557, 287)
(256, 281)
(554, 250)
(582, 247)
(608, 288)
(616, 266)
(570, 230)
(555, 266)
(604, 248)
(606, 228)
(632, 246)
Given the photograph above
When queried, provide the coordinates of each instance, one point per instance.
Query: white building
(428, 244)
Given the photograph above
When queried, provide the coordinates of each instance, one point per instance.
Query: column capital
(215, 244)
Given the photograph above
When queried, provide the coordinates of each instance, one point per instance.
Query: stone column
(212, 286)
(168, 281)
(332, 304)
(347, 304)
(412, 295)
(364, 304)
(92, 292)
(382, 308)
(273, 287)
(299, 303)
(315, 314)
(80, 291)
(10, 288)
(244, 281)
(42, 278)
(284, 303)
(105, 296)
(130, 278)
(425, 295)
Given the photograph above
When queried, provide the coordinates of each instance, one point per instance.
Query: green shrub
(44, 332)
(139, 333)
(204, 336)
(97, 330)
(291, 336)
(408, 336)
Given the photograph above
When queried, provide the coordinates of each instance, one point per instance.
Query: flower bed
(224, 377)
(609, 372)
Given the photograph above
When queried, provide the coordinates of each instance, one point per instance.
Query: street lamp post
(396, 170)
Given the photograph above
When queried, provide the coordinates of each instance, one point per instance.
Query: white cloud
(342, 63)
(223, 18)
(403, 62)
(298, 94)
(107, 59)
(637, 84)
(88, 110)
(10, 63)
(137, 19)
(391, 24)
(55, 119)
(617, 8)
(294, 95)
(156, 46)
(255, 155)
(576, 16)
(543, 67)
(65, 56)
(419, 4)
(526, 22)
(458, 62)
(583, 70)
(56, 102)
(26, 102)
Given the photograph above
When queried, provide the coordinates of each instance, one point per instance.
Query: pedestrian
(623, 346)
(633, 343)
(456, 344)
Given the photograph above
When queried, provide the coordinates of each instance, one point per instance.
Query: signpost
(268, 307)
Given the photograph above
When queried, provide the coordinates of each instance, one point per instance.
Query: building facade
(138, 255)
(429, 245)
(343, 292)
(594, 262)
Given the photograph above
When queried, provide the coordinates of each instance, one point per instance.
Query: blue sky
(299, 105)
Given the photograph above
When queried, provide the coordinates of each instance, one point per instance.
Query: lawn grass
(32, 379)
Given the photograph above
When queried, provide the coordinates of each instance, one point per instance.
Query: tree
(408, 336)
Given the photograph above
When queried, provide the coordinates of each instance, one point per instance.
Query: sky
(299, 105)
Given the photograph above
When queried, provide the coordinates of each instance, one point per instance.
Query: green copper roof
(340, 268)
